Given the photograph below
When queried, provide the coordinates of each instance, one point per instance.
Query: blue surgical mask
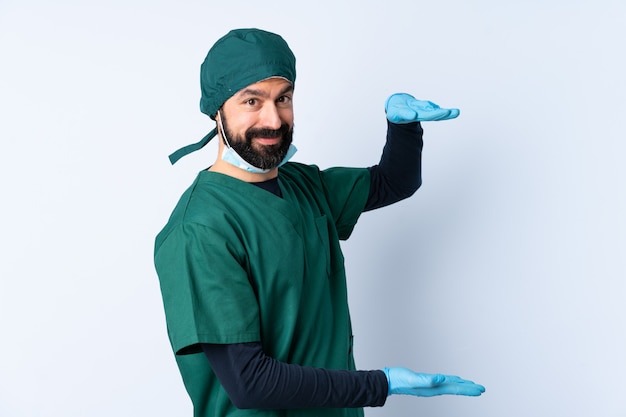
(232, 157)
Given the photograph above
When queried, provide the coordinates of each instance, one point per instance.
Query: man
(250, 265)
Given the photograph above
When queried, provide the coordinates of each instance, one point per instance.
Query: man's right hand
(406, 382)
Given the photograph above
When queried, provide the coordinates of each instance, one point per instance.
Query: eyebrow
(259, 93)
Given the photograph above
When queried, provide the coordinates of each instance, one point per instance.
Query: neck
(241, 174)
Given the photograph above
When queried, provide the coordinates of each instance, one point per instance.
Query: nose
(270, 117)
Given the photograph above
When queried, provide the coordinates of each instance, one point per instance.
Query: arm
(254, 380)
(399, 172)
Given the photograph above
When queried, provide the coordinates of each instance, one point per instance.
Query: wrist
(386, 372)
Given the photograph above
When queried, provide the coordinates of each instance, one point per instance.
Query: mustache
(267, 133)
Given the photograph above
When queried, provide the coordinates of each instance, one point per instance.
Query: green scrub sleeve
(347, 190)
(206, 292)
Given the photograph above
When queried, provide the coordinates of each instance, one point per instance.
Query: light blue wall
(507, 267)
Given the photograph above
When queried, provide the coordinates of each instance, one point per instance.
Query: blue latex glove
(403, 108)
(407, 382)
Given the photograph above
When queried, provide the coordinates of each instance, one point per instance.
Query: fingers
(429, 111)
(421, 105)
(455, 385)
(434, 115)
(448, 385)
(440, 114)
(454, 113)
(467, 389)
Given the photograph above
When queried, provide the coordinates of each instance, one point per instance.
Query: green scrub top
(239, 264)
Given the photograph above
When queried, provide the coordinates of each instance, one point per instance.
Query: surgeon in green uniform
(250, 267)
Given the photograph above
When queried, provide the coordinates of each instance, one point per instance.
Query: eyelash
(282, 99)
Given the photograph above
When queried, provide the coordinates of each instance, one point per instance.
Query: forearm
(254, 380)
(399, 173)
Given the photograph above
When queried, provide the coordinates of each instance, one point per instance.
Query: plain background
(507, 267)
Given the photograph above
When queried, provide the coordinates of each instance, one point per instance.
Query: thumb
(437, 379)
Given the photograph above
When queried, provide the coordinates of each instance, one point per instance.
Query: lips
(267, 136)
(268, 141)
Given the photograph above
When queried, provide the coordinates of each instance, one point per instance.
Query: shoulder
(203, 205)
(298, 172)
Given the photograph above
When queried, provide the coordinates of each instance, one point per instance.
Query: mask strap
(221, 126)
(186, 150)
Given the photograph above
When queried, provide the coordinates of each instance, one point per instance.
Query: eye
(284, 100)
(251, 101)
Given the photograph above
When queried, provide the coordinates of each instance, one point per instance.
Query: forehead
(266, 88)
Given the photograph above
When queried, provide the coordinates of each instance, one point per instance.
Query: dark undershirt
(254, 380)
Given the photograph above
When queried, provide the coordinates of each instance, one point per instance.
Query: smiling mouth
(268, 141)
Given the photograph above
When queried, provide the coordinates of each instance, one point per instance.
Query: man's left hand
(402, 108)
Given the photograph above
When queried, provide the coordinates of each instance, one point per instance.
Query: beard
(260, 156)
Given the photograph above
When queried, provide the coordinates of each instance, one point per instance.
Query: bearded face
(257, 154)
